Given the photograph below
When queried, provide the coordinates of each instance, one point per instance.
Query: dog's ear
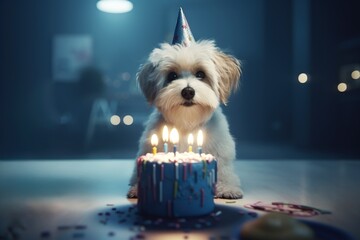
(145, 78)
(229, 71)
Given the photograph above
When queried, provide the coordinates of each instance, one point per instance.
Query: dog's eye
(171, 76)
(200, 75)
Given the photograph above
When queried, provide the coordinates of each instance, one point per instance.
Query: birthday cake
(178, 185)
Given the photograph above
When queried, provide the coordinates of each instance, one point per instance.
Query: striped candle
(165, 136)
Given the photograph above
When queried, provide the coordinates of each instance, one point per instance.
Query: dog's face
(187, 84)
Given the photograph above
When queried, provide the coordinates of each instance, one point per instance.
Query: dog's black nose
(188, 93)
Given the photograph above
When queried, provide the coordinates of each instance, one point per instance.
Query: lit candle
(165, 135)
(190, 141)
(200, 139)
(174, 138)
(154, 143)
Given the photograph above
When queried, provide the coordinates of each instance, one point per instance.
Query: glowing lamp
(114, 6)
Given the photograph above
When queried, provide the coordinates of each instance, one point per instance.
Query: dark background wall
(275, 39)
(335, 42)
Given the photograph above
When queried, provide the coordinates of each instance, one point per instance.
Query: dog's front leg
(228, 184)
(144, 147)
(132, 192)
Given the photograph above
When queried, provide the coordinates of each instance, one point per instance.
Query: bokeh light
(342, 87)
(115, 120)
(355, 74)
(128, 120)
(303, 78)
(125, 76)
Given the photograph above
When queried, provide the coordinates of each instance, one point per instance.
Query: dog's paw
(228, 192)
(132, 193)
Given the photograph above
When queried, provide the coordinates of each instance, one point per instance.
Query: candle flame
(154, 140)
(200, 138)
(165, 134)
(174, 136)
(191, 139)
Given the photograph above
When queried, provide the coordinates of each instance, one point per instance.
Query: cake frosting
(178, 185)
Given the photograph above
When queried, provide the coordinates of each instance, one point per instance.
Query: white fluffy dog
(187, 85)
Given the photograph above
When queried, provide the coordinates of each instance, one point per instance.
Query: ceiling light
(114, 6)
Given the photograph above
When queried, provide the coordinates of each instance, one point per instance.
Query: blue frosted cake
(176, 186)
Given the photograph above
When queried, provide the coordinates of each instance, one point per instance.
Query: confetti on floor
(287, 208)
(117, 219)
(128, 217)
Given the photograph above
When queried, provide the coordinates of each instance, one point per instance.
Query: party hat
(182, 34)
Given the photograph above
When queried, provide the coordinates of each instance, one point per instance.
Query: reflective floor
(75, 199)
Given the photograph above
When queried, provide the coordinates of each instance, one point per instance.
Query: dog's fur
(222, 73)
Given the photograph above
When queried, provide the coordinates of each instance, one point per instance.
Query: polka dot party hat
(182, 34)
